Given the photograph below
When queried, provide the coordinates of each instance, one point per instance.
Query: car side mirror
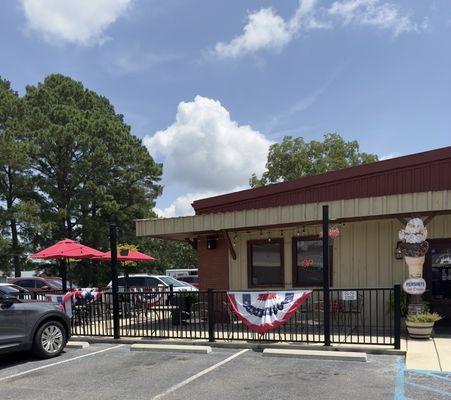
(7, 300)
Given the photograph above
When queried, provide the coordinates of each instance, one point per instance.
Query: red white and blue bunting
(263, 311)
(71, 298)
(147, 296)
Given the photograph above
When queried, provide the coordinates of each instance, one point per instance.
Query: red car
(191, 279)
(37, 284)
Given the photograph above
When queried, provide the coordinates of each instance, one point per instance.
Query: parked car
(12, 289)
(41, 327)
(152, 281)
(191, 279)
(37, 284)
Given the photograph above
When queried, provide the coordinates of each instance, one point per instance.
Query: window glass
(10, 290)
(308, 265)
(133, 281)
(153, 282)
(441, 272)
(40, 284)
(25, 283)
(171, 281)
(266, 263)
(56, 283)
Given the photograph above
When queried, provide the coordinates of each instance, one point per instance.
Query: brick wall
(213, 265)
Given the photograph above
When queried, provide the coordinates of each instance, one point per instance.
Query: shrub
(425, 317)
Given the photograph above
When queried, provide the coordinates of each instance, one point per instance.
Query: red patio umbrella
(66, 249)
(133, 255)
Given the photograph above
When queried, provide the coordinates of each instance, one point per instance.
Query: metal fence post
(211, 315)
(397, 316)
(326, 285)
(114, 281)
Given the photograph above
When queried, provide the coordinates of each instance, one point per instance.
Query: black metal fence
(355, 316)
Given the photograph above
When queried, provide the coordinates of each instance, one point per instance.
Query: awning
(394, 206)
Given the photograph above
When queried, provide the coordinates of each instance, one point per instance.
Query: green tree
(169, 254)
(16, 190)
(295, 158)
(89, 169)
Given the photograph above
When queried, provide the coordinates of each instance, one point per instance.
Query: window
(40, 284)
(152, 282)
(133, 281)
(265, 263)
(308, 262)
(171, 281)
(25, 283)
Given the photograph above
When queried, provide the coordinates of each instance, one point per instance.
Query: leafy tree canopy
(295, 158)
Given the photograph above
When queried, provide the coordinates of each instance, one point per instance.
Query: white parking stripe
(58, 363)
(198, 375)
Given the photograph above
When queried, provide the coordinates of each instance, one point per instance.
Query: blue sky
(209, 85)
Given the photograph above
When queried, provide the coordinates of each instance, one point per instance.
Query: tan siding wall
(300, 213)
(363, 255)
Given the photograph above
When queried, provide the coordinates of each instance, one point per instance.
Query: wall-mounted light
(397, 252)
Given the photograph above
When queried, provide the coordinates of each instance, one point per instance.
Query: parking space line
(198, 375)
(430, 389)
(58, 363)
(399, 383)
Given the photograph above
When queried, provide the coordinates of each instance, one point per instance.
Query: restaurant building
(268, 237)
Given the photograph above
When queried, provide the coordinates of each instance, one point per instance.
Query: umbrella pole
(63, 274)
(125, 277)
(68, 274)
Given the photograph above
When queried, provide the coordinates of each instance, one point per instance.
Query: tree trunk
(15, 247)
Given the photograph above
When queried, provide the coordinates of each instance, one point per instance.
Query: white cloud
(138, 60)
(375, 13)
(266, 30)
(390, 155)
(82, 22)
(205, 150)
(181, 206)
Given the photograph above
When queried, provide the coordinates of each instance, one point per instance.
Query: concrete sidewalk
(433, 354)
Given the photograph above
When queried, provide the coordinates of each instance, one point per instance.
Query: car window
(40, 284)
(56, 283)
(152, 282)
(171, 281)
(25, 283)
(133, 281)
(11, 290)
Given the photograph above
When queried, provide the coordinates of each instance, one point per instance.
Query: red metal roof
(421, 172)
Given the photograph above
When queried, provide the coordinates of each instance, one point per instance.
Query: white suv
(153, 281)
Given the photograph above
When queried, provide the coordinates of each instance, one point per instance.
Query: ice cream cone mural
(414, 247)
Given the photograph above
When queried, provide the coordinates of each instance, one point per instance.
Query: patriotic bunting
(263, 311)
(71, 298)
(148, 297)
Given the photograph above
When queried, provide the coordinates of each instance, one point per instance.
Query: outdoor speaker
(211, 242)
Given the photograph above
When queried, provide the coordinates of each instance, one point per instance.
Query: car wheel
(49, 340)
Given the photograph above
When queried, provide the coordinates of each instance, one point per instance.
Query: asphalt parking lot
(105, 371)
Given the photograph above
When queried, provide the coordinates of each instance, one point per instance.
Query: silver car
(41, 327)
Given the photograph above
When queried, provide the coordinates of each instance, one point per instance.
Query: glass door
(438, 277)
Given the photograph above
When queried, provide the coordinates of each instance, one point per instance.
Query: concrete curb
(316, 355)
(171, 347)
(256, 346)
(77, 345)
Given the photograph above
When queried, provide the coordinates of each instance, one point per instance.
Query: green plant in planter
(405, 301)
(420, 326)
(426, 317)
